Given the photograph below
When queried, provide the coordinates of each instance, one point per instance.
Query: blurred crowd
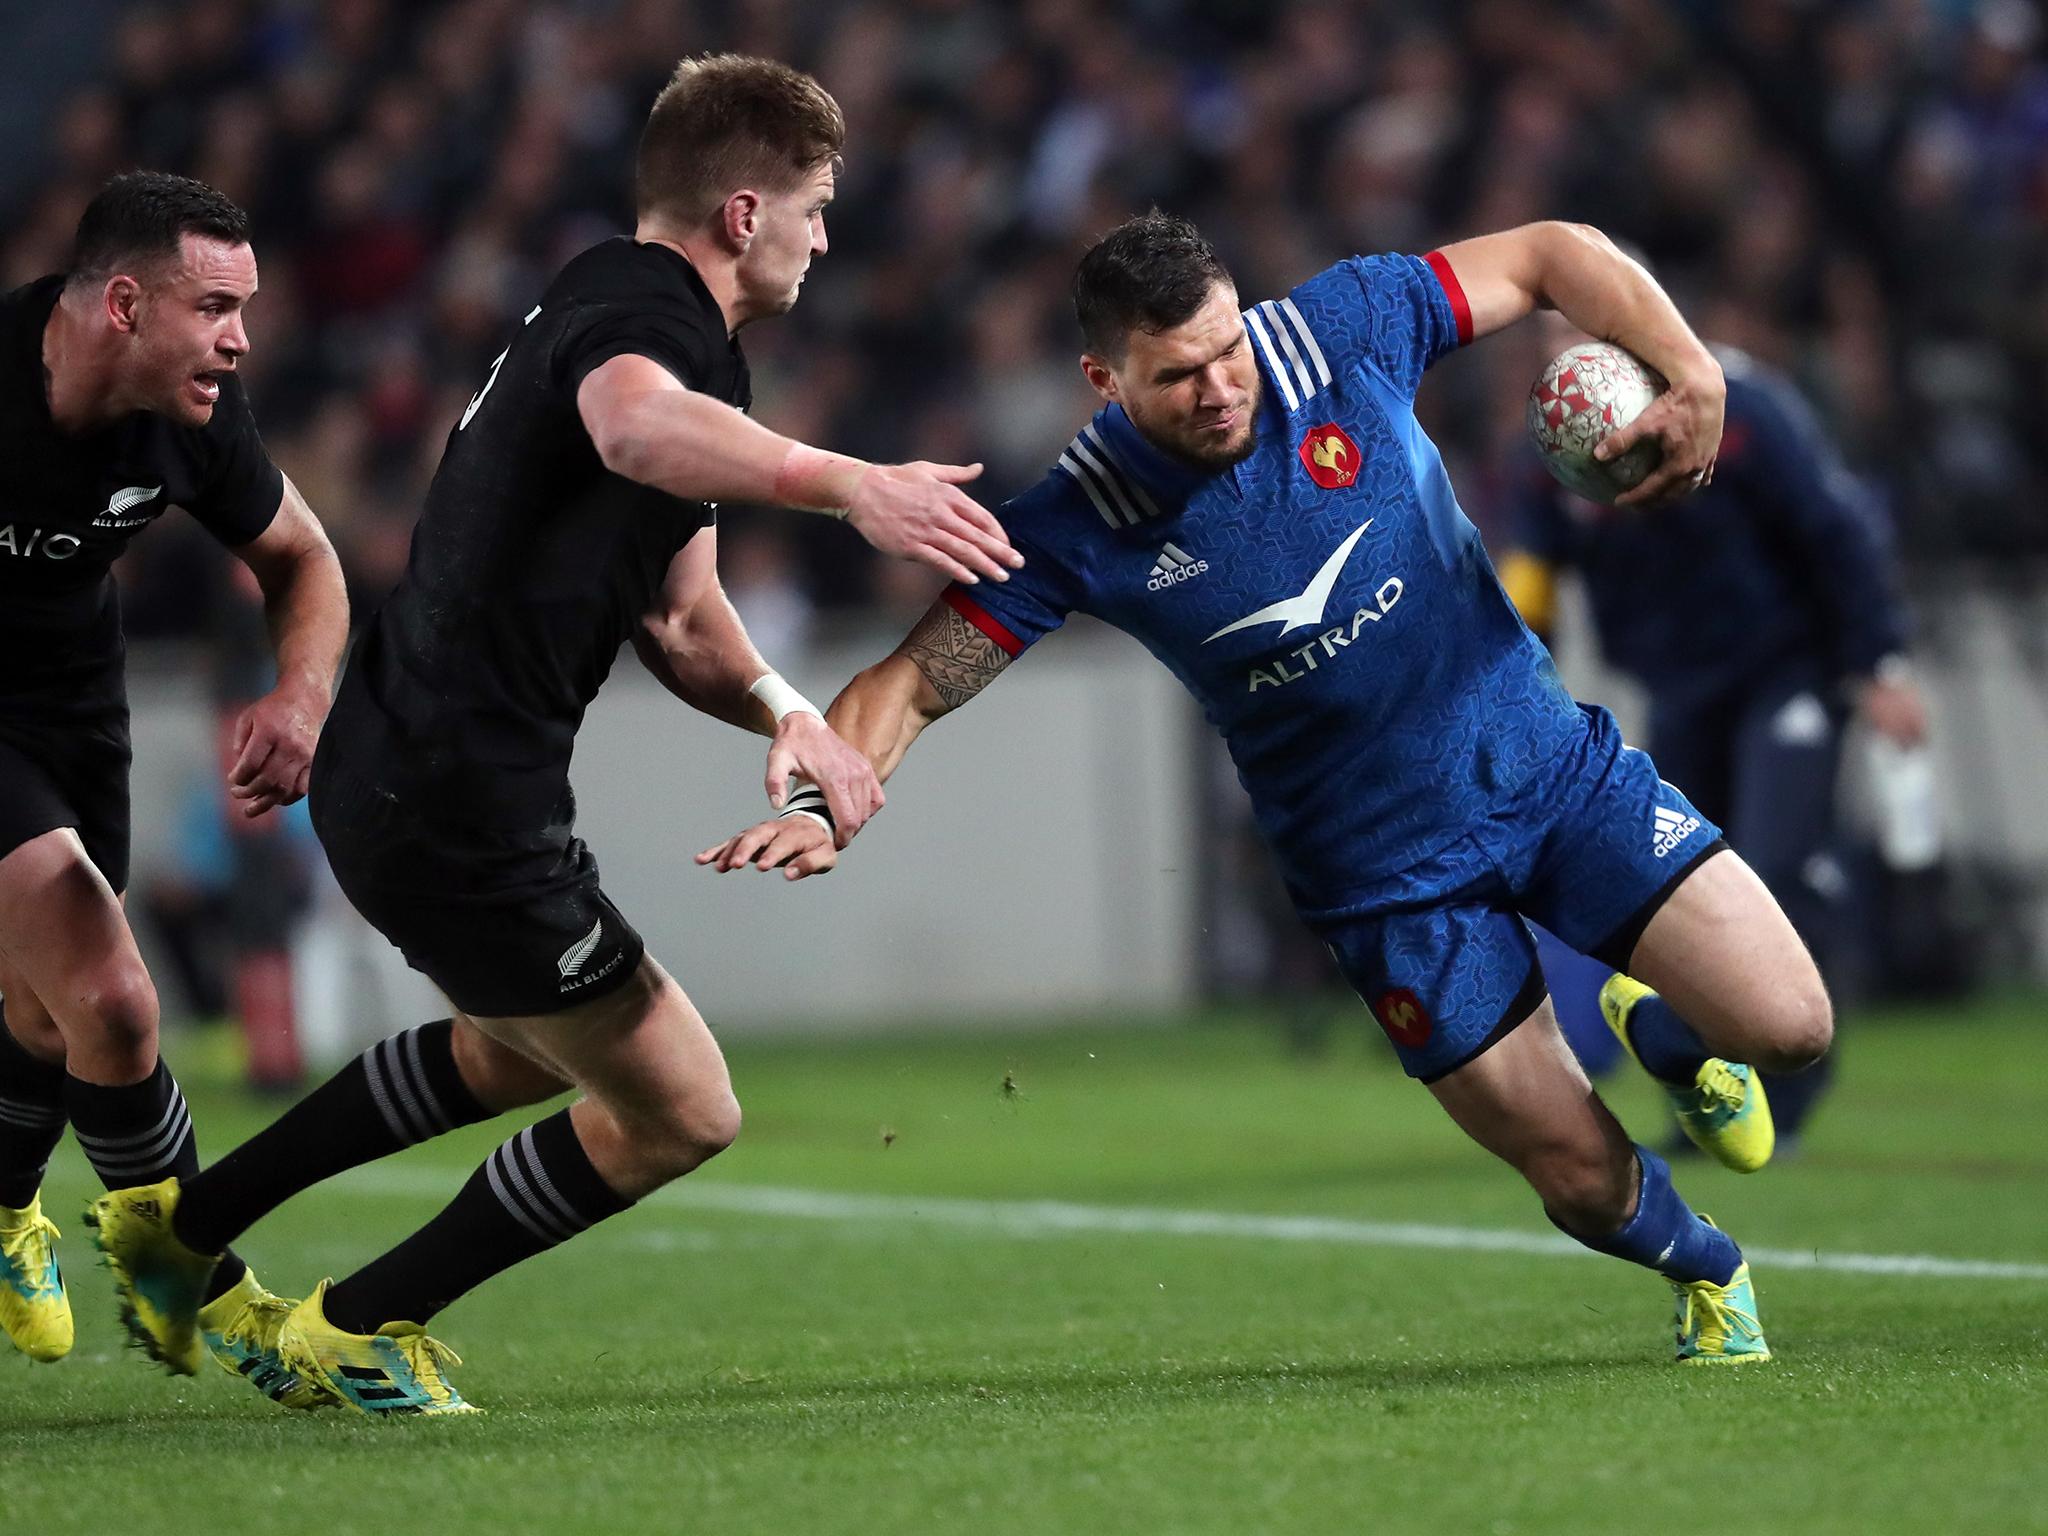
(1855, 192)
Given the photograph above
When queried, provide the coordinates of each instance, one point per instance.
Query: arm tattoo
(957, 659)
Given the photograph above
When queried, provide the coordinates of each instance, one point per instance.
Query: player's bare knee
(693, 1133)
(1802, 1029)
(713, 1125)
(117, 1012)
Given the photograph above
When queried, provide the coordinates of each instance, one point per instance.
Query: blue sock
(1664, 1234)
(1665, 1043)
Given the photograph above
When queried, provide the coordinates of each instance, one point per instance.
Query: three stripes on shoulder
(1292, 356)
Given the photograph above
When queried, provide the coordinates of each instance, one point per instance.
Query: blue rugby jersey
(1326, 601)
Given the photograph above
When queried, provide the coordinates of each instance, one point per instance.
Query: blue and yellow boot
(33, 1307)
(241, 1328)
(1723, 1111)
(1717, 1324)
(396, 1370)
(159, 1282)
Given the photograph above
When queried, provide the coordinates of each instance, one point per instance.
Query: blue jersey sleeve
(1394, 314)
(1037, 598)
(1825, 517)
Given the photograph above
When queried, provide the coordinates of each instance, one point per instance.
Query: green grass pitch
(953, 1285)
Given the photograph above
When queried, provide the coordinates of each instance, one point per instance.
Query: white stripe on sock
(380, 1093)
(524, 1144)
(430, 1103)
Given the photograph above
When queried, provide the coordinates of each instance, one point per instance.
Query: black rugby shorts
(68, 774)
(507, 922)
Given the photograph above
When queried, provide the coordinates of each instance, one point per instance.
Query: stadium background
(1148, 1270)
(1853, 192)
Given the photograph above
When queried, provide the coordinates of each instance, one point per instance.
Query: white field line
(1041, 1218)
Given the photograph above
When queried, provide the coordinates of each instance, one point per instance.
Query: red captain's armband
(1461, 310)
(973, 613)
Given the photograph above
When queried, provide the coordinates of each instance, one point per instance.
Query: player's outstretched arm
(1579, 272)
(944, 662)
(306, 604)
(647, 427)
(693, 642)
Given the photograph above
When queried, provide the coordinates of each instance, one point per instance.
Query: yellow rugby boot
(159, 1282)
(396, 1370)
(1723, 1111)
(241, 1328)
(33, 1307)
(1717, 1324)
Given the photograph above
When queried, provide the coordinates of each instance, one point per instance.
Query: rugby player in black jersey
(119, 400)
(572, 512)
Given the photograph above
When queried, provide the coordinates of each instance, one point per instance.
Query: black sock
(399, 1092)
(31, 1118)
(535, 1191)
(141, 1133)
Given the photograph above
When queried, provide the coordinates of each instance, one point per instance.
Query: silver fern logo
(125, 501)
(574, 956)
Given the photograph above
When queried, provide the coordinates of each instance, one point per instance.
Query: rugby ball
(1588, 391)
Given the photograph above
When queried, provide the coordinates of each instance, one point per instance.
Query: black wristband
(808, 800)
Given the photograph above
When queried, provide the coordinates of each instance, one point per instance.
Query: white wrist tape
(781, 699)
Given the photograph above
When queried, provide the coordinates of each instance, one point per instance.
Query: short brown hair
(727, 121)
(1150, 273)
(143, 216)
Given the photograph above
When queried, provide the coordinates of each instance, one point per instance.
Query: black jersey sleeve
(679, 340)
(240, 488)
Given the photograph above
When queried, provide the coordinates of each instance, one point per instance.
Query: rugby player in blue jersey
(1421, 775)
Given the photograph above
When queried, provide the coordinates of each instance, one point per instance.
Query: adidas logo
(1174, 566)
(1670, 828)
(375, 1391)
(273, 1381)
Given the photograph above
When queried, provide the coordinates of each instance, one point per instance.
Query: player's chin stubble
(1217, 458)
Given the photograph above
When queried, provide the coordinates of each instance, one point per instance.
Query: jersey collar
(1169, 481)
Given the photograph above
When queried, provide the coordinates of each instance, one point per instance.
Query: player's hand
(810, 749)
(1893, 707)
(918, 512)
(273, 745)
(797, 845)
(1685, 421)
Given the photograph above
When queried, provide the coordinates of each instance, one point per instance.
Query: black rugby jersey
(70, 502)
(532, 563)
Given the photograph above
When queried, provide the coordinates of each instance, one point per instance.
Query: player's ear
(742, 215)
(1101, 378)
(123, 299)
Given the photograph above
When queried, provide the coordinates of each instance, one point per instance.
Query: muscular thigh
(65, 939)
(1723, 953)
(1527, 1099)
(62, 927)
(642, 1051)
